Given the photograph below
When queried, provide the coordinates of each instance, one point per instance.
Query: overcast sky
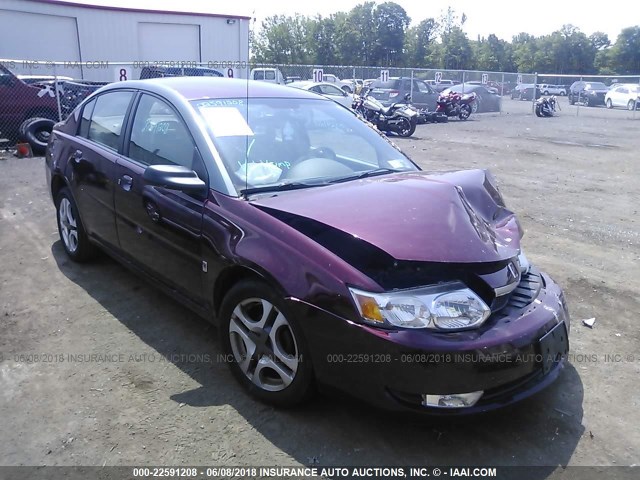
(502, 18)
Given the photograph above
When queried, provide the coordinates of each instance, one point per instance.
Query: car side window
(159, 136)
(85, 120)
(330, 90)
(623, 90)
(108, 115)
(422, 87)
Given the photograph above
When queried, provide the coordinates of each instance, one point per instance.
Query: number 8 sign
(121, 74)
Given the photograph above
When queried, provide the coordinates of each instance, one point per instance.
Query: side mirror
(174, 177)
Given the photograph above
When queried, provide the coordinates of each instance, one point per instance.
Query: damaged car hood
(415, 216)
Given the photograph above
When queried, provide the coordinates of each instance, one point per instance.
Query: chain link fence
(32, 89)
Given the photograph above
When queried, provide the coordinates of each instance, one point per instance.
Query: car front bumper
(394, 369)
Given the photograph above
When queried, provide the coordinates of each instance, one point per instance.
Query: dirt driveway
(98, 368)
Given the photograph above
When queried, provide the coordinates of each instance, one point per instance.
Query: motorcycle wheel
(406, 128)
(465, 112)
(538, 111)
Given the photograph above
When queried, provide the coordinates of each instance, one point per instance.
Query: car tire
(571, 100)
(475, 106)
(586, 102)
(546, 92)
(630, 105)
(74, 238)
(609, 103)
(36, 132)
(283, 375)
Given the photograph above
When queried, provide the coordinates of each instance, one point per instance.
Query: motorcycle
(453, 104)
(399, 118)
(546, 107)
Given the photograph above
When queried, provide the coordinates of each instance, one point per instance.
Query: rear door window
(107, 119)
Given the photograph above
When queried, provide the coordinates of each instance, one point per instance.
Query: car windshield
(596, 86)
(269, 144)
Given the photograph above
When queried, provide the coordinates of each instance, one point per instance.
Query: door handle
(125, 182)
(77, 156)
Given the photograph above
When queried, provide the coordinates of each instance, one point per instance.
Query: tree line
(373, 34)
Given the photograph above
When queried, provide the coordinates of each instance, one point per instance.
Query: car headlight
(450, 306)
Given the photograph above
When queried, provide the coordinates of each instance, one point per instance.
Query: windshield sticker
(226, 122)
(223, 102)
(397, 164)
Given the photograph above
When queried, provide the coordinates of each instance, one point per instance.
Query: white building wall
(113, 36)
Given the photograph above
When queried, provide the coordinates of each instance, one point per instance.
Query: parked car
(440, 86)
(624, 95)
(487, 99)
(395, 89)
(33, 79)
(525, 91)
(549, 89)
(347, 85)
(358, 82)
(161, 72)
(271, 75)
(300, 231)
(21, 103)
(329, 90)
(589, 93)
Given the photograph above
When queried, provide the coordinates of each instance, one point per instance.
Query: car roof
(310, 83)
(195, 88)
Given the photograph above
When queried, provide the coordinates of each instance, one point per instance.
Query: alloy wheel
(68, 225)
(263, 344)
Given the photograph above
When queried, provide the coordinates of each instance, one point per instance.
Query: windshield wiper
(280, 187)
(368, 173)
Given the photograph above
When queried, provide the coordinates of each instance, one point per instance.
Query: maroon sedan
(326, 257)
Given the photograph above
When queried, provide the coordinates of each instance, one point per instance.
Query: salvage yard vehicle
(329, 90)
(588, 93)
(624, 95)
(22, 103)
(30, 107)
(395, 88)
(326, 257)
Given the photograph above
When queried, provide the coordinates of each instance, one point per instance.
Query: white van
(271, 75)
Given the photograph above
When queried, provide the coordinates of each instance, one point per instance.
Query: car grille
(524, 294)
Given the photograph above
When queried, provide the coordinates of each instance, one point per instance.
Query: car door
(94, 153)
(336, 94)
(427, 96)
(158, 228)
(621, 96)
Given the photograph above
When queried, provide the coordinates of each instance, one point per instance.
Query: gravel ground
(98, 368)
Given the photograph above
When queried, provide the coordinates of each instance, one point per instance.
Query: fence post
(57, 92)
(535, 87)
(501, 92)
(411, 90)
(579, 100)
